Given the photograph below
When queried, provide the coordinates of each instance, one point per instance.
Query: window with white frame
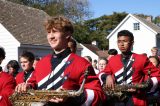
(136, 26)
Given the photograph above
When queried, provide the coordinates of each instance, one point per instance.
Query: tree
(157, 20)
(98, 28)
(76, 10)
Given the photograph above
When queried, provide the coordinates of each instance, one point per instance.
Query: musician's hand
(109, 82)
(57, 100)
(131, 90)
(22, 87)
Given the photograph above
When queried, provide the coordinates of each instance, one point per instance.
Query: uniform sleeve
(7, 89)
(154, 72)
(103, 74)
(19, 78)
(93, 90)
(102, 77)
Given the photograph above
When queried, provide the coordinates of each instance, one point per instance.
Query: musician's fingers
(111, 86)
(131, 90)
(56, 100)
(23, 87)
(18, 88)
(59, 99)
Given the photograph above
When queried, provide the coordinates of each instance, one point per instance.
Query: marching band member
(26, 60)
(7, 83)
(64, 69)
(130, 68)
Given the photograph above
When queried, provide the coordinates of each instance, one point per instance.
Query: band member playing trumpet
(130, 68)
(64, 69)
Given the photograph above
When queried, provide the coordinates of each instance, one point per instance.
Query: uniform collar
(127, 55)
(63, 54)
(30, 71)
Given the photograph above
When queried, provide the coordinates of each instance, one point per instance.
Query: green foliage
(157, 20)
(98, 29)
(75, 10)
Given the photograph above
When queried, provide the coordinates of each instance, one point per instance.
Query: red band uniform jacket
(138, 67)
(20, 77)
(74, 74)
(7, 86)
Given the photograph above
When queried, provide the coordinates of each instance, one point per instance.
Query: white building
(146, 34)
(94, 52)
(21, 28)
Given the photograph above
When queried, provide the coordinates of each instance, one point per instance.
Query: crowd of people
(64, 69)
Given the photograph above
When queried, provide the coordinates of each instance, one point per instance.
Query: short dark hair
(89, 58)
(112, 52)
(95, 61)
(14, 64)
(2, 53)
(29, 55)
(126, 33)
(73, 42)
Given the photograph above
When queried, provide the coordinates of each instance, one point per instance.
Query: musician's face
(26, 64)
(124, 44)
(57, 40)
(102, 64)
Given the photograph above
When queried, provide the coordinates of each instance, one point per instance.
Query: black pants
(114, 101)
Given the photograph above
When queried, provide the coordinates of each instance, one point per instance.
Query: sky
(107, 7)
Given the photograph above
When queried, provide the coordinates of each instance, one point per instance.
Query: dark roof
(150, 24)
(24, 23)
(92, 47)
(96, 50)
(102, 53)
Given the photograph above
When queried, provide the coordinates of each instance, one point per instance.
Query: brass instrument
(120, 90)
(30, 96)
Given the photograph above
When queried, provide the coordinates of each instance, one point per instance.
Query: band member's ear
(68, 35)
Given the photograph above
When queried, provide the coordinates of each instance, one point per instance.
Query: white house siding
(145, 38)
(86, 52)
(10, 44)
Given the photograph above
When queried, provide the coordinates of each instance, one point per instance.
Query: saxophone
(120, 91)
(30, 96)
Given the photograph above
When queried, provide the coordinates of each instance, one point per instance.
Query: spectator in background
(13, 67)
(95, 64)
(112, 52)
(72, 45)
(154, 51)
(35, 62)
(7, 83)
(102, 64)
(26, 59)
(155, 60)
(88, 58)
(153, 98)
